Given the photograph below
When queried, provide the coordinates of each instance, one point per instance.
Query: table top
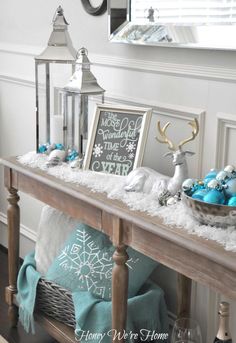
(202, 260)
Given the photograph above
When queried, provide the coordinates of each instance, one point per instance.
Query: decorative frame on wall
(117, 139)
(98, 10)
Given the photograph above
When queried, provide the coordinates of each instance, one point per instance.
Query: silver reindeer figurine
(147, 180)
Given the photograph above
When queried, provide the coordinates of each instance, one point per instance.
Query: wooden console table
(192, 257)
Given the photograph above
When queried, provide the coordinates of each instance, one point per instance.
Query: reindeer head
(177, 154)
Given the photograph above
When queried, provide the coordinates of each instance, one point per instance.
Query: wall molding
(24, 230)
(166, 68)
(225, 123)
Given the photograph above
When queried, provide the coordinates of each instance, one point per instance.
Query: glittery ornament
(214, 196)
(230, 189)
(232, 201)
(199, 194)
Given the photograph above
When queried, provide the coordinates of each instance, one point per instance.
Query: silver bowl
(210, 214)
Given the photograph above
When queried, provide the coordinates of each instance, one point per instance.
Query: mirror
(94, 10)
(209, 24)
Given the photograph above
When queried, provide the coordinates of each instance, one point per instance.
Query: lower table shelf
(61, 332)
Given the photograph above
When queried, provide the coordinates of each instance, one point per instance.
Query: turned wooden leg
(183, 296)
(119, 287)
(13, 215)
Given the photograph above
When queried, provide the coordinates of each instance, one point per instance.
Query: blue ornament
(232, 201)
(42, 148)
(72, 155)
(211, 175)
(230, 188)
(199, 194)
(214, 196)
(60, 146)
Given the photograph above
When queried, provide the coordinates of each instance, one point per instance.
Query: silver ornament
(222, 176)
(230, 169)
(214, 184)
(188, 185)
(77, 163)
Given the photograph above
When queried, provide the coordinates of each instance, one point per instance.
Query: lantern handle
(82, 51)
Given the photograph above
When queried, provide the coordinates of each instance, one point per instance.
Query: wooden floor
(17, 335)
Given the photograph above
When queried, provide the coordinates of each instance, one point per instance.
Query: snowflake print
(98, 150)
(91, 265)
(131, 155)
(130, 147)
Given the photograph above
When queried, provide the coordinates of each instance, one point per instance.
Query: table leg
(119, 293)
(13, 215)
(183, 296)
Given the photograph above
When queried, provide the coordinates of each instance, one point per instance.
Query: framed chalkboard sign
(117, 139)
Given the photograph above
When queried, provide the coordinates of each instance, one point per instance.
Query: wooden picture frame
(117, 139)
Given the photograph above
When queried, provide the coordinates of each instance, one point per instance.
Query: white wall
(178, 83)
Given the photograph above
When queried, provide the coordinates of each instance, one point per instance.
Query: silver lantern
(80, 95)
(53, 67)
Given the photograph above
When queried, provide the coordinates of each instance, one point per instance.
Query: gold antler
(195, 126)
(163, 135)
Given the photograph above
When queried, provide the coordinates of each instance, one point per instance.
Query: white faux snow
(114, 187)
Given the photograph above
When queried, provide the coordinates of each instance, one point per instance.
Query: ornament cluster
(217, 187)
(58, 154)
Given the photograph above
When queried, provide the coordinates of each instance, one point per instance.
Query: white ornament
(60, 154)
(171, 201)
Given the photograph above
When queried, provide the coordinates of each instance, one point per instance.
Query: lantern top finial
(59, 17)
(60, 48)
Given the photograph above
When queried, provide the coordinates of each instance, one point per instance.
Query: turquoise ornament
(72, 155)
(199, 194)
(211, 175)
(232, 201)
(214, 196)
(60, 146)
(42, 148)
(230, 188)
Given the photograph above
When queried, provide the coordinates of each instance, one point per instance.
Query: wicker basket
(56, 302)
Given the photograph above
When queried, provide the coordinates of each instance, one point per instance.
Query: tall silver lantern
(53, 67)
(80, 96)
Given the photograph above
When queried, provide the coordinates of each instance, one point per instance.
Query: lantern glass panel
(50, 78)
(78, 112)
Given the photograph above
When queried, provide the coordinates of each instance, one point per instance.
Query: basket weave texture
(55, 301)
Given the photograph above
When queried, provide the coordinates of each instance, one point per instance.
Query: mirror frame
(94, 10)
(120, 19)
